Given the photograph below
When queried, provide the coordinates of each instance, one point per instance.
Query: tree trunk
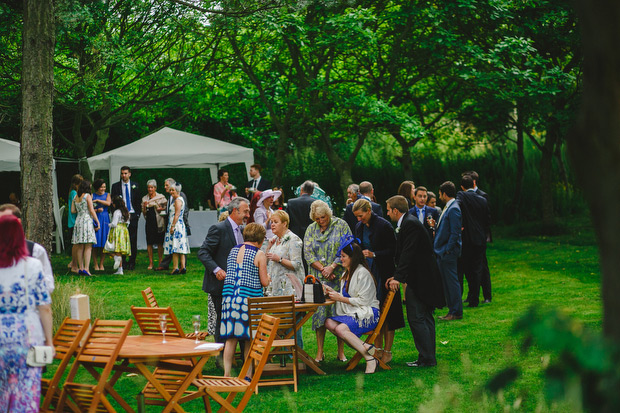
(594, 145)
(520, 164)
(546, 174)
(37, 86)
(405, 160)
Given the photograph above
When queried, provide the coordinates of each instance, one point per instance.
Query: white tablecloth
(199, 221)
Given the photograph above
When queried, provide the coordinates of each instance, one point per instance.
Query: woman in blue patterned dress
(321, 243)
(246, 275)
(101, 202)
(23, 292)
(176, 242)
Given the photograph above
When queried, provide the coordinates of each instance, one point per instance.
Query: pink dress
(222, 195)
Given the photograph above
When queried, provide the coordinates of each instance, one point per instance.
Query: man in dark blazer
(213, 253)
(416, 266)
(257, 183)
(476, 225)
(423, 212)
(298, 210)
(366, 192)
(485, 282)
(129, 191)
(447, 247)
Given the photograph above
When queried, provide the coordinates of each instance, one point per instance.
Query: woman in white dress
(284, 253)
(176, 242)
(84, 229)
(262, 215)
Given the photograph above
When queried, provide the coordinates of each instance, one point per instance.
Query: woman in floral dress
(321, 244)
(176, 242)
(25, 319)
(84, 231)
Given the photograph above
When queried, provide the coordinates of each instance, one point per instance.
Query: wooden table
(139, 352)
(307, 310)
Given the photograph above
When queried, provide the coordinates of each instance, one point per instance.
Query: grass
(553, 271)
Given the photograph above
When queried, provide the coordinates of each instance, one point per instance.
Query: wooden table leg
(189, 378)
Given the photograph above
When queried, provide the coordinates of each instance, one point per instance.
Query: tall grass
(61, 299)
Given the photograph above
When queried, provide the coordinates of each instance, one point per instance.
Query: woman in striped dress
(246, 276)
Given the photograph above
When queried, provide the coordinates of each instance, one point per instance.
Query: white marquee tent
(9, 162)
(171, 148)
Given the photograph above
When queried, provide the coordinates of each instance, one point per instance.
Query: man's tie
(254, 183)
(127, 198)
(238, 236)
(421, 215)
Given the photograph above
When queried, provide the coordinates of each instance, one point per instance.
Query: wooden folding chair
(285, 343)
(66, 342)
(100, 351)
(372, 334)
(151, 301)
(149, 297)
(148, 321)
(259, 354)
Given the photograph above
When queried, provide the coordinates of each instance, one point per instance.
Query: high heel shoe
(321, 359)
(175, 272)
(368, 361)
(386, 357)
(343, 360)
(371, 349)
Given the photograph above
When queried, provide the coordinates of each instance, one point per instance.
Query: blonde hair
(362, 205)
(284, 218)
(223, 216)
(254, 233)
(319, 209)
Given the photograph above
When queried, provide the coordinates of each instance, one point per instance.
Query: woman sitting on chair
(357, 307)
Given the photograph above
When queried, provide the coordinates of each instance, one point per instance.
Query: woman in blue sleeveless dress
(246, 275)
(101, 202)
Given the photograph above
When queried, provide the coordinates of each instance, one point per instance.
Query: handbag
(109, 244)
(37, 356)
(313, 290)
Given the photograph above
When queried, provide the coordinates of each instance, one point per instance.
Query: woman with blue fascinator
(357, 308)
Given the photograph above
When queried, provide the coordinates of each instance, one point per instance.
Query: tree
(37, 85)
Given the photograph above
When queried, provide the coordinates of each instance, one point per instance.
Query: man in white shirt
(257, 183)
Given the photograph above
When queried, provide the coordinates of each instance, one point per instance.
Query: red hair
(12, 242)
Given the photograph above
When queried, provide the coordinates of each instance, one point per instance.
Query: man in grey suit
(213, 253)
(448, 249)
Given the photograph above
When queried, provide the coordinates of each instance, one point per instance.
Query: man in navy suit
(257, 183)
(475, 212)
(298, 210)
(423, 212)
(416, 267)
(129, 191)
(485, 282)
(213, 253)
(366, 191)
(447, 248)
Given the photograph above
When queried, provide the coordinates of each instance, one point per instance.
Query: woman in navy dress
(101, 202)
(246, 275)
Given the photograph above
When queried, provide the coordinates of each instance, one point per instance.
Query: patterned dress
(104, 220)
(242, 281)
(20, 327)
(84, 229)
(119, 234)
(176, 243)
(289, 248)
(322, 247)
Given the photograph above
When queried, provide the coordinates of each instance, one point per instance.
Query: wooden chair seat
(258, 355)
(372, 334)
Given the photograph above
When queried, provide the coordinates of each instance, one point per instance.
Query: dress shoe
(419, 363)
(488, 301)
(451, 317)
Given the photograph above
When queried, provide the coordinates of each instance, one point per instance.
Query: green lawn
(555, 272)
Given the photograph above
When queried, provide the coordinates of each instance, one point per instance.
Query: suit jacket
(383, 244)
(263, 185)
(136, 198)
(426, 211)
(352, 220)
(298, 210)
(486, 196)
(475, 212)
(214, 253)
(448, 235)
(416, 264)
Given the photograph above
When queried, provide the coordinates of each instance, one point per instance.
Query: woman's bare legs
(320, 342)
(342, 331)
(149, 249)
(229, 353)
(88, 249)
(160, 253)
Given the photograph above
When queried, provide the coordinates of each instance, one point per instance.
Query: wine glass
(196, 323)
(163, 324)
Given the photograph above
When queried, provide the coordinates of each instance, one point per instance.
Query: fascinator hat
(345, 241)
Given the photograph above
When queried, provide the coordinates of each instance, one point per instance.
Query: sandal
(371, 349)
(386, 357)
(368, 361)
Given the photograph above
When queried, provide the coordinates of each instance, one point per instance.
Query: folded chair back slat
(148, 321)
(149, 297)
